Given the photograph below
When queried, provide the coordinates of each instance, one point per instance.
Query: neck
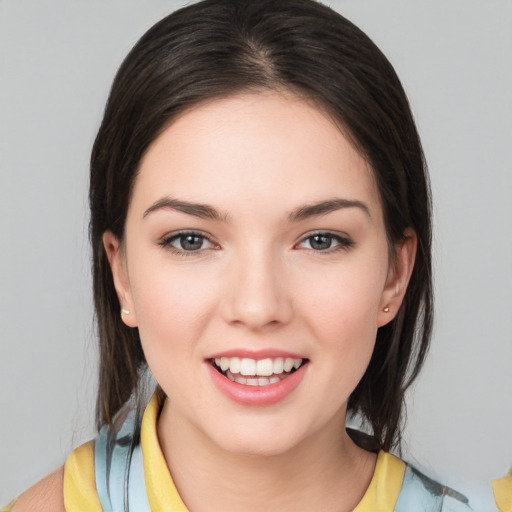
(326, 471)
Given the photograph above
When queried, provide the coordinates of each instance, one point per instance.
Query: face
(256, 267)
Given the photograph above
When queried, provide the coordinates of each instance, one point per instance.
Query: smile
(256, 372)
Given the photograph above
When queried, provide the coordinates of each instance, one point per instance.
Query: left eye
(187, 242)
(325, 241)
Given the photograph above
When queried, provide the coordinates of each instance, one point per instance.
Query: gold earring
(386, 309)
(124, 311)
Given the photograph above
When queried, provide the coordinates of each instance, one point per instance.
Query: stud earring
(386, 309)
(124, 311)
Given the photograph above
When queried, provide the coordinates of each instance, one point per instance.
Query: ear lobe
(399, 274)
(117, 263)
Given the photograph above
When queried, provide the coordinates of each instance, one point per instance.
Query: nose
(257, 294)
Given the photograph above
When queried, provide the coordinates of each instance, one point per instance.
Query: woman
(260, 222)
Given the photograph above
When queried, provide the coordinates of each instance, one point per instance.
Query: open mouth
(257, 372)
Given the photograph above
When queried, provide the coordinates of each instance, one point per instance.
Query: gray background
(57, 60)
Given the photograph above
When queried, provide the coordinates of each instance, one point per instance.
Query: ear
(117, 262)
(399, 274)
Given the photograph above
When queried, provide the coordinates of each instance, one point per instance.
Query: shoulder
(79, 480)
(71, 487)
(45, 496)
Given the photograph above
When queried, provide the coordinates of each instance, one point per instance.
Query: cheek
(172, 305)
(342, 311)
(344, 302)
(348, 340)
(173, 309)
(347, 329)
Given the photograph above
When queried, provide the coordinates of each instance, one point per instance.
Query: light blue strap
(420, 493)
(119, 469)
(119, 460)
(101, 470)
(137, 495)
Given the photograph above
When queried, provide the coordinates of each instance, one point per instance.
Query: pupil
(321, 242)
(191, 242)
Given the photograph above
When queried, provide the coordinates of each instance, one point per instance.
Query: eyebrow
(202, 211)
(325, 207)
(205, 211)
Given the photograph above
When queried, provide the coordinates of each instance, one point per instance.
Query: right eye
(186, 243)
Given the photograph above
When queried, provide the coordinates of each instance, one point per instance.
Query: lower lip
(257, 395)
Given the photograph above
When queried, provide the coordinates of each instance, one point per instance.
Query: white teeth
(288, 364)
(247, 366)
(257, 368)
(265, 367)
(260, 381)
(278, 365)
(234, 365)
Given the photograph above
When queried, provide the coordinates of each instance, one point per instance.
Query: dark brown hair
(217, 48)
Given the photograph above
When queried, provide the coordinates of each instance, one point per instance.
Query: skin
(258, 282)
(45, 496)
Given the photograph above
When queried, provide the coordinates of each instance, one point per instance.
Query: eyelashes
(187, 243)
(193, 243)
(325, 241)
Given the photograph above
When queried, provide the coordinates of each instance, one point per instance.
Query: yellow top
(8, 508)
(79, 487)
(503, 492)
(79, 482)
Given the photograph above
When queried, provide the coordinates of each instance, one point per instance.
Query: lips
(257, 380)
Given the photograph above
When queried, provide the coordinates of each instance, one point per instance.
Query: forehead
(266, 148)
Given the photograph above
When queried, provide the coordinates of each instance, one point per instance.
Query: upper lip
(256, 354)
